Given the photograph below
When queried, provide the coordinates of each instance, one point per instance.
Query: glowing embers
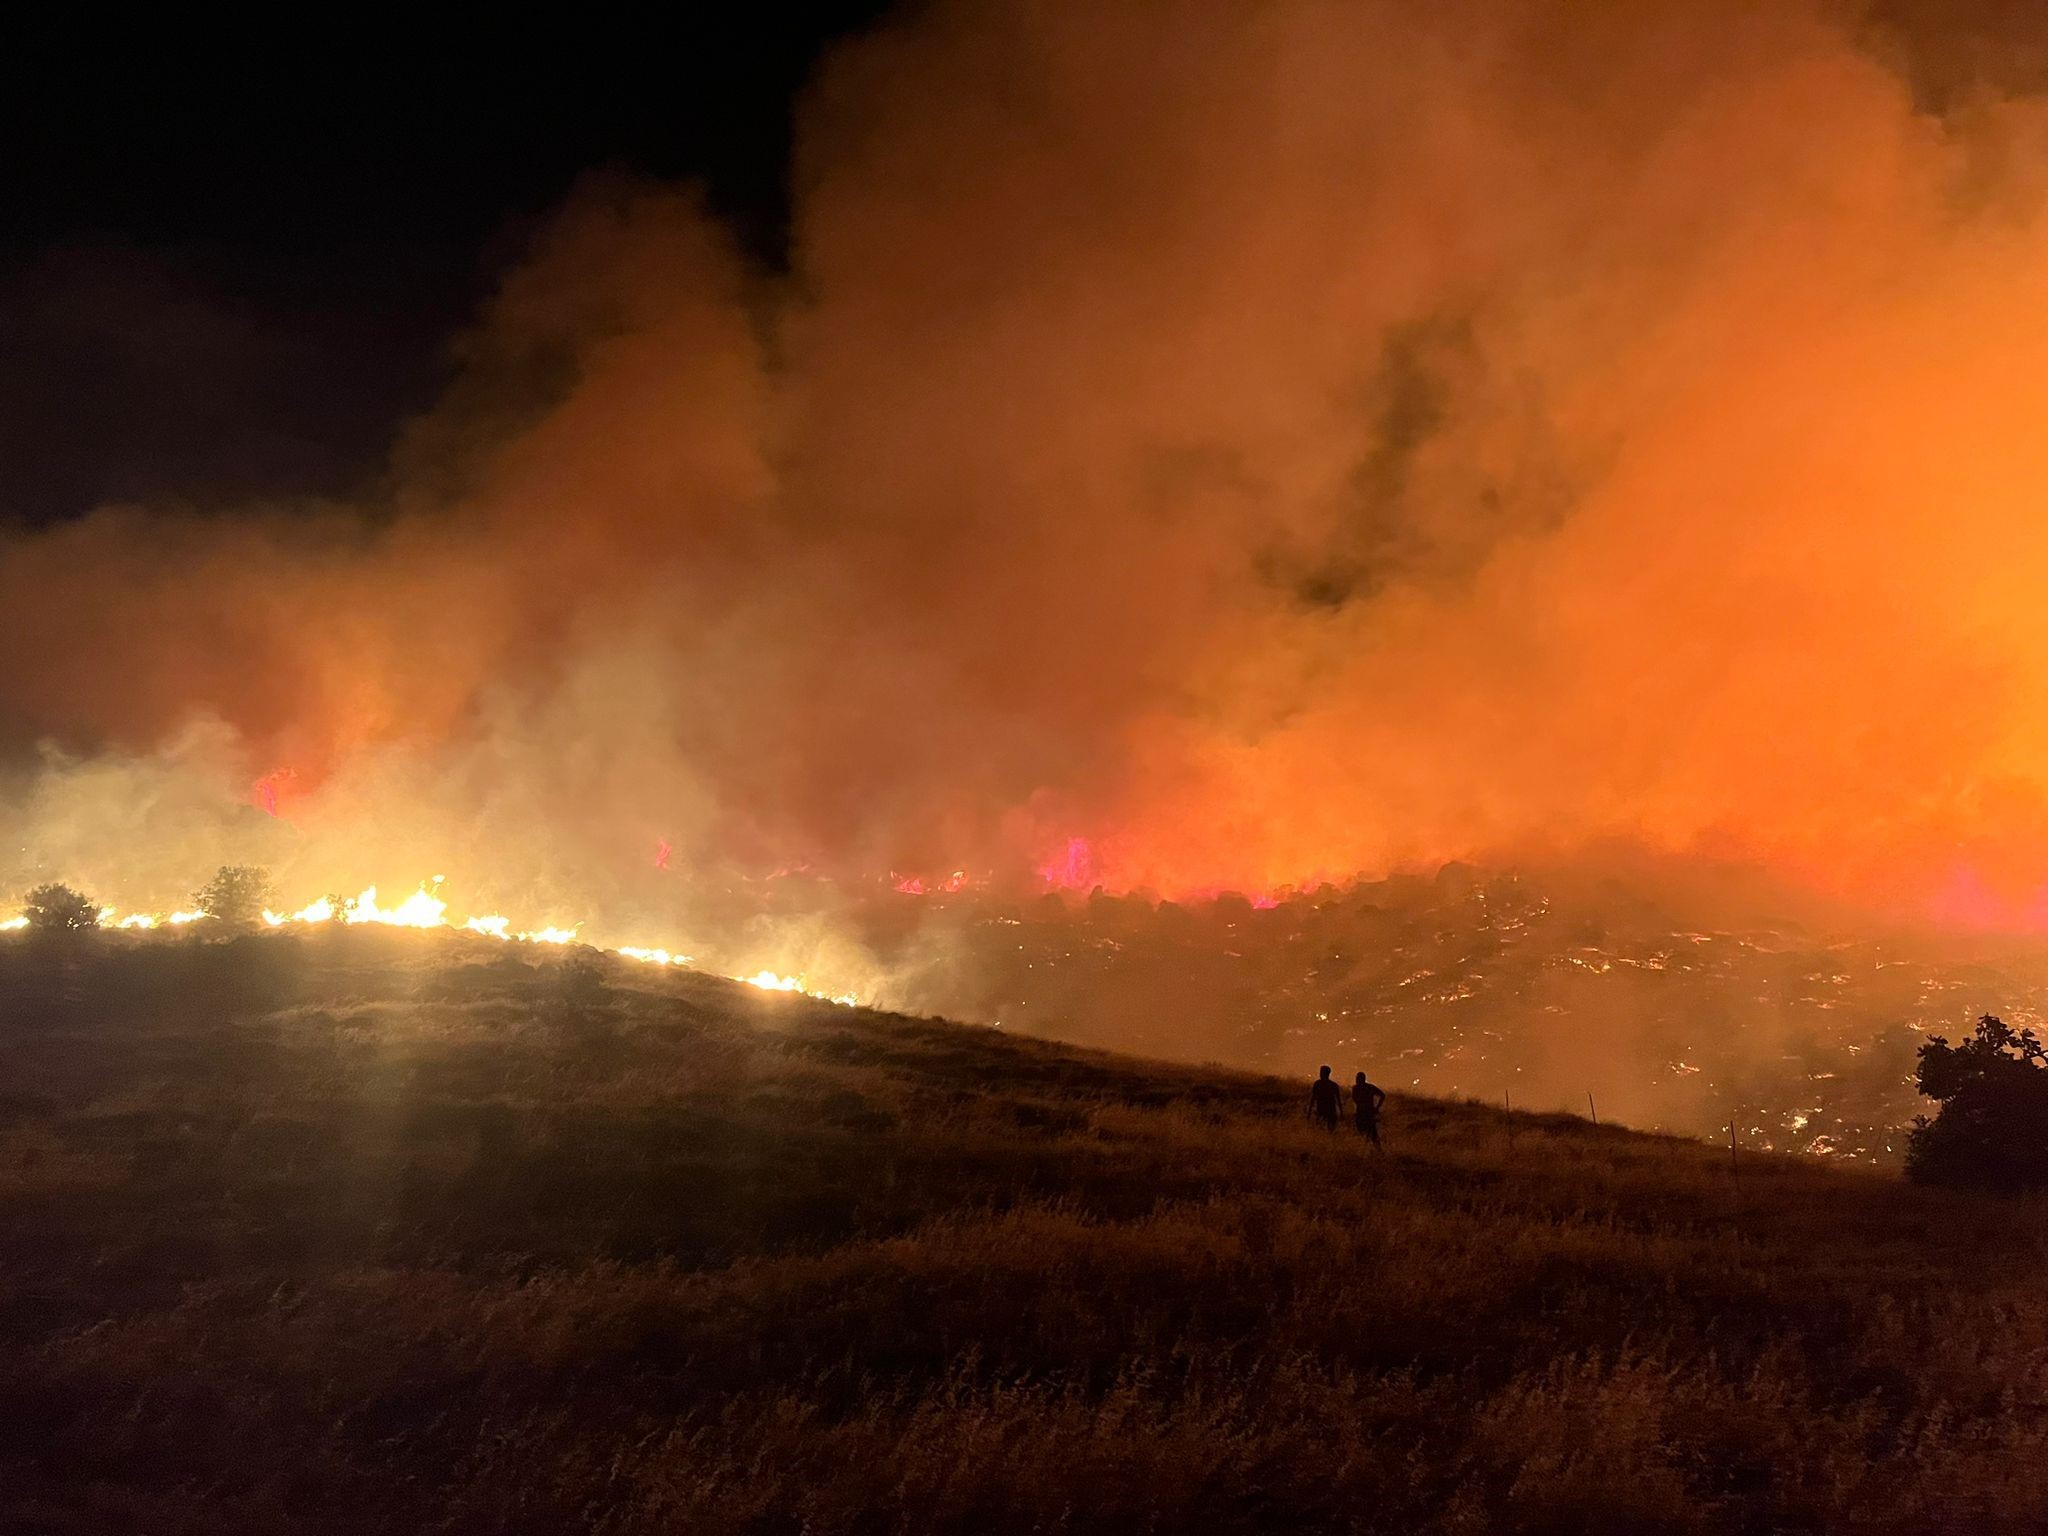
(918, 885)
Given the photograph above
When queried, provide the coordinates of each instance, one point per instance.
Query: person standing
(1366, 1101)
(1324, 1098)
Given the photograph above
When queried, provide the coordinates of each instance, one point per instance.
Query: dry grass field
(374, 1232)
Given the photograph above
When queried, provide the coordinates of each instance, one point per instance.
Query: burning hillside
(1192, 455)
(1544, 994)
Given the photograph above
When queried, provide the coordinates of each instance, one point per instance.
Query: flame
(422, 909)
(1072, 868)
(425, 908)
(318, 912)
(768, 981)
(112, 917)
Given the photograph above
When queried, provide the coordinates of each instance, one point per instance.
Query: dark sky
(229, 263)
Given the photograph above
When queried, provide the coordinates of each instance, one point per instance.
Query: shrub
(1992, 1130)
(237, 893)
(55, 908)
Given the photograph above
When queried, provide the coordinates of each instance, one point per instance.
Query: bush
(237, 893)
(55, 908)
(1992, 1131)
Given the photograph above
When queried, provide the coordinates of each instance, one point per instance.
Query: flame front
(424, 909)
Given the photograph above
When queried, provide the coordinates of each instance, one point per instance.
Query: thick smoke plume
(1246, 444)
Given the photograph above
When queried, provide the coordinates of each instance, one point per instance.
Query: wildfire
(319, 912)
(1072, 868)
(131, 922)
(917, 885)
(422, 909)
(426, 908)
(768, 981)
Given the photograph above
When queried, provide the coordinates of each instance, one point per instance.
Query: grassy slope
(358, 1233)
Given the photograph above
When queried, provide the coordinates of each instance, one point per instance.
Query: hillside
(1677, 1010)
(361, 1232)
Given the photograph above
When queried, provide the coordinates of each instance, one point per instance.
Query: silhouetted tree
(56, 908)
(237, 893)
(1992, 1131)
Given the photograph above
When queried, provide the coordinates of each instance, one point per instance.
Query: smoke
(1269, 443)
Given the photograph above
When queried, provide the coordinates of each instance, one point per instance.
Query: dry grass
(360, 1233)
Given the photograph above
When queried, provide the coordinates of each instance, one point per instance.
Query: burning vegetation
(232, 900)
(1212, 452)
(1541, 994)
(1493, 542)
(1213, 457)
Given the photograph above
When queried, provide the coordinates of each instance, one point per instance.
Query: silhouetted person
(1324, 1097)
(1365, 1105)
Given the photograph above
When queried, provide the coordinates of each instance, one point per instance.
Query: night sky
(230, 263)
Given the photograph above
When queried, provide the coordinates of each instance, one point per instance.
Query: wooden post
(1735, 1166)
(1507, 1105)
(1595, 1113)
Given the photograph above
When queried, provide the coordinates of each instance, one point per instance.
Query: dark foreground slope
(371, 1232)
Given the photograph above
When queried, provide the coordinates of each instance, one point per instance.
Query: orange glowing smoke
(268, 794)
(1198, 447)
